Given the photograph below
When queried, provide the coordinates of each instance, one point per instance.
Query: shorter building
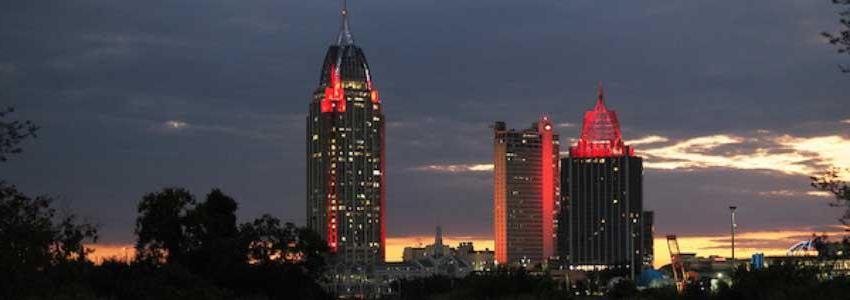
(478, 260)
(526, 189)
(435, 259)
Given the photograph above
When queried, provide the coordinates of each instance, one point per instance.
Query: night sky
(731, 102)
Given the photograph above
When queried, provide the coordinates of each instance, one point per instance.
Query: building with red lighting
(526, 193)
(602, 221)
(345, 156)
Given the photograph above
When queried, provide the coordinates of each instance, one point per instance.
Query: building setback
(602, 221)
(526, 193)
(345, 156)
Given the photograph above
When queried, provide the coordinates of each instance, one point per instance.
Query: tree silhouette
(831, 182)
(161, 225)
(215, 247)
(33, 240)
(12, 133)
(841, 39)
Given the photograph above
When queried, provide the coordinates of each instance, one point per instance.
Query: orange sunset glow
(746, 244)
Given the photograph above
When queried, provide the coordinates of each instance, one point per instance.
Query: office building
(602, 221)
(526, 193)
(345, 156)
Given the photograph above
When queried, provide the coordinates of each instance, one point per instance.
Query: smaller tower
(526, 193)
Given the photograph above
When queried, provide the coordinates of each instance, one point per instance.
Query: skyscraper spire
(345, 37)
(600, 97)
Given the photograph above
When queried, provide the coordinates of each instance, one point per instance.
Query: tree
(12, 133)
(831, 182)
(33, 240)
(161, 225)
(287, 261)
(266, 239)
(271, 243)
(841, 39)
(215, 248)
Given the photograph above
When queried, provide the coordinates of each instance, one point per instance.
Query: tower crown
(344, 57)
(600, 133)
(345, 67)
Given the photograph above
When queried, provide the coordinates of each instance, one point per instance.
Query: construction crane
(677, 266)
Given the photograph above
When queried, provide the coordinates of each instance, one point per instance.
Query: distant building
(526, 193)
(345, 157)
(440, 259)
(478, 260)
(602, 221)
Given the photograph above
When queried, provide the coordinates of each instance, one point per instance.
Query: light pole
(733, 225)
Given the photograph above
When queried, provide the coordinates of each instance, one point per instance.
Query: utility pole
(733, 225)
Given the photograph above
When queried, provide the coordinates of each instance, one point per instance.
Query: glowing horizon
(769, 242)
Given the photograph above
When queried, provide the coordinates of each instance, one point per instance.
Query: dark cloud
(134, 96)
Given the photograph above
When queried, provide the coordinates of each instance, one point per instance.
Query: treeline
(779, 282)
(185, 249)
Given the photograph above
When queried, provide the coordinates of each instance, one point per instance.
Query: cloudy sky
(731, 102)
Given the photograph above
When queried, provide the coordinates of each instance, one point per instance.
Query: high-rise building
(602, 221)
(526, 193)
(345, 155)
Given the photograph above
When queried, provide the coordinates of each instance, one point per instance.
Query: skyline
(745, 138)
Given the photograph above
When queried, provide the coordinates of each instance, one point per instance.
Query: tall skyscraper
(526, 193)
(602, 222)
(345, 155)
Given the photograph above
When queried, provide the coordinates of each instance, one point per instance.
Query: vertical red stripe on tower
(331, 208)
(383, 196)
(547, 186)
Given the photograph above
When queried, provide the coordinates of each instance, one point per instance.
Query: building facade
(345, 156)
(602, 221)
(526, 193)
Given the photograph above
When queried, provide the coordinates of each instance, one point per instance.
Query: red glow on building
(600, 134)
(526, 189)
(331, 211)
(373, 94)
(547, 186)
(383, 248)
(334, 93)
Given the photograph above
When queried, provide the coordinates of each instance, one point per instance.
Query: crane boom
(677, 267)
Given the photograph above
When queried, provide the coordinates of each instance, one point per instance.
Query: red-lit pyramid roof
(600, 133)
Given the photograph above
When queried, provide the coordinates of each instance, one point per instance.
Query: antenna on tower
(345, 37)
(600, 92)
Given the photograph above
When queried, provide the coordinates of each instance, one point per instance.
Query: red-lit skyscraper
(526, 193)
(345, 156)
(602, 221)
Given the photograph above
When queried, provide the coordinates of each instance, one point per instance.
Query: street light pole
(733, 225)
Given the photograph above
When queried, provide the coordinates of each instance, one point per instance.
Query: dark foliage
(258, 258)
(12, 133)
(841, 39)
(186, 250)
(161, 226)
(34, 241)
(784, 281)
(623, 289)
(502, 284)
(830, 181)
